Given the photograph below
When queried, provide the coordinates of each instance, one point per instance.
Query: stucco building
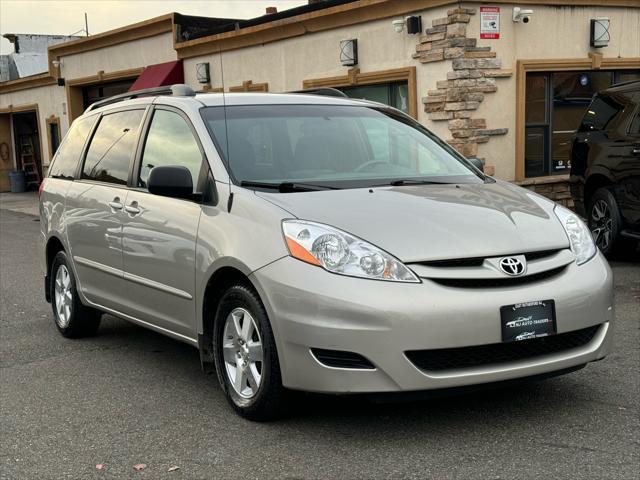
(495, 86)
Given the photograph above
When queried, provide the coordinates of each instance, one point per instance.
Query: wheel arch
(593, 183)
(54, 245)
(217, 283)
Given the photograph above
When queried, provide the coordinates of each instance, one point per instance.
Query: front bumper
(312, 308)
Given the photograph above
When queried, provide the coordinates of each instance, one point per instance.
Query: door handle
(636, 151)
(116, 204)
(132, 209)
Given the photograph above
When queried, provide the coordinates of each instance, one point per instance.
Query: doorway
(26, 144)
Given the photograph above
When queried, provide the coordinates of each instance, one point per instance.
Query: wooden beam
(32, 81)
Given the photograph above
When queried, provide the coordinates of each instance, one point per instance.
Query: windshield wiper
(410, 181)
(284, 187)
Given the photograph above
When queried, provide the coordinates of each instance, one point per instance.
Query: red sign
(489, 22)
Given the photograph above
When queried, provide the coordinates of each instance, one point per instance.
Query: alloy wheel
(601, 224)
(63, 297)
(242, 351)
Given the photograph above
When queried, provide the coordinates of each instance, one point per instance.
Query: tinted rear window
(602, 110)
(111, 150)
(65, 163)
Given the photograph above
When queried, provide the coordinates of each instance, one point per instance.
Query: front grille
(497, 353)
(498, 282)
(477, 261)
(341, 359)
(531, 256)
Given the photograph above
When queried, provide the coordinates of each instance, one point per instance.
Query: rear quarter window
(601, 112)
(65, 162)
(634, 127)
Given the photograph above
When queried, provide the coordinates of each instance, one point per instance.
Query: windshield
(332, 146)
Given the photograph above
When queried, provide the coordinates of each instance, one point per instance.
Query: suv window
(65, 162)
(600, 113)
(170, 141)
(110, 152)
(634, 128)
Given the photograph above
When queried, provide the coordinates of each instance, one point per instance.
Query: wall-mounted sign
(489, 22)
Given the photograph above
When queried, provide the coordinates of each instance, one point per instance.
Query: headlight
(339, 252)
(580, 238)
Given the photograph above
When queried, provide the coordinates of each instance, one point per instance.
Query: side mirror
(476, 162)
(171, 181)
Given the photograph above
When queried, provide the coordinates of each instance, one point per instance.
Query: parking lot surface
(130, 396)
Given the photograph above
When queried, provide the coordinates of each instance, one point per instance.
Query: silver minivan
(313, 242)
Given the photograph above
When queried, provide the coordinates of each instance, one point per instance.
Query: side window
(634, 128)
(111, 149)
(66, 159)
(170, 141)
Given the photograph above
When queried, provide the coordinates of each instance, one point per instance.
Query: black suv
(605, 166)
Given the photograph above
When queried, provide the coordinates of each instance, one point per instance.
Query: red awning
(158, 75)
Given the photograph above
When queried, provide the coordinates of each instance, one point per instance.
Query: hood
(435, 222)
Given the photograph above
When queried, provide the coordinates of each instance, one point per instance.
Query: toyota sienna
(312, 242)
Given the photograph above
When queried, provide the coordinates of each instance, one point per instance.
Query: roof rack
(326, 91)
(177, 90)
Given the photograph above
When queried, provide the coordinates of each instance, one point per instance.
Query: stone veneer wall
(474, 73)
(557, 189)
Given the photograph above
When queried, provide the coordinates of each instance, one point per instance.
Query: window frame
(51, 121)
(546, 125)
(355, 78)
(593, 62)
(94, 129)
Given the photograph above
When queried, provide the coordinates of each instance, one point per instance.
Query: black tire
(81, 321)
(604, 221)
(269, 398)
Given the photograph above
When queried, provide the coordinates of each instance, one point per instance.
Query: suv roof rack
(177, 90)
(326, 91)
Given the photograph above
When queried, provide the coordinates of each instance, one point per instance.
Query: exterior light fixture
(349, 52)
(414, 24)
(202, 73)
(600, 35)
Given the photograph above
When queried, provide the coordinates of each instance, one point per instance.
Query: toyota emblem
(512, 266)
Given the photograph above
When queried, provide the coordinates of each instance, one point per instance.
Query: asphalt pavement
(130, 396)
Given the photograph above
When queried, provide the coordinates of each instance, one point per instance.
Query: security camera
(398, 25)
(522, 15)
